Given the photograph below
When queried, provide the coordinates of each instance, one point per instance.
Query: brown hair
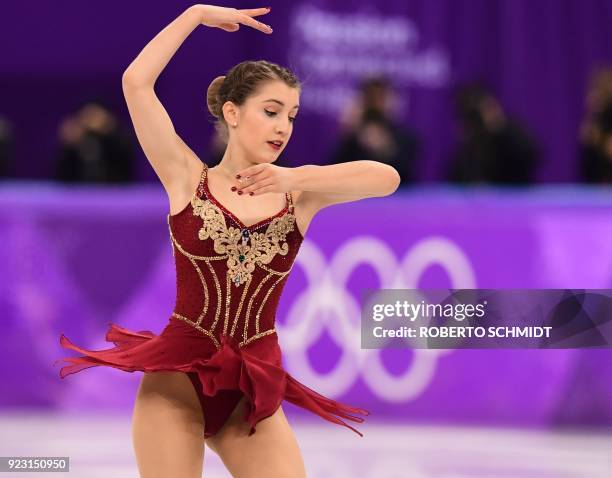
(241, 82)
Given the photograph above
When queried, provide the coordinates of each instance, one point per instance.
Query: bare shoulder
(302, 211)
(182, 190)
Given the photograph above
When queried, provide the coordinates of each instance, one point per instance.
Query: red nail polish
(237, 176)
(233, 188)
(251, 193)
(239, 192)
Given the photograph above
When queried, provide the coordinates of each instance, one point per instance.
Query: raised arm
(165, 150)
(162, 146)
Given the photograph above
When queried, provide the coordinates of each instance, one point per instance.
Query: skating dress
(221, 332)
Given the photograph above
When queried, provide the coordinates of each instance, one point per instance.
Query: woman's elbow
(127, 77)
(131, 79)
(392, 180)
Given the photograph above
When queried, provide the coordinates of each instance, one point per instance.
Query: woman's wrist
(197, 11)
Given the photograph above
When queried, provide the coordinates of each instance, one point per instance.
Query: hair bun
(213, 97)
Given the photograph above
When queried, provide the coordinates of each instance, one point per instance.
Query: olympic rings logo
(326, 304)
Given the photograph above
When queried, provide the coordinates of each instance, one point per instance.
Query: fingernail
(269, 8)
(233, 188)
(237, 176)
(239, 192)
(251, 193)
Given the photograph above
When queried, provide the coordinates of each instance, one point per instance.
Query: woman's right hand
(229, 19)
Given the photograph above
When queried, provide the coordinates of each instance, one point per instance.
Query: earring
(235, 124)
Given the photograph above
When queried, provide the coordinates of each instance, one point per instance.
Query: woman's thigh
(272, 451)
(168, 427)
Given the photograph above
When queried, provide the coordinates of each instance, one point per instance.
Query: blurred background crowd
(93, 145)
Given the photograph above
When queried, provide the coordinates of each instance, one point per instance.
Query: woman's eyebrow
(280, 102)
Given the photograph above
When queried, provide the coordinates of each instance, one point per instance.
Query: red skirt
(221, 377)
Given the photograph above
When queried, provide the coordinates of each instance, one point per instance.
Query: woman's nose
(282, 127)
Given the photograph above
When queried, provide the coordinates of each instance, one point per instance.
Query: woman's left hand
(265, 178)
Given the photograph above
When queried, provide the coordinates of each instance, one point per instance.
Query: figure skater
(214, 376)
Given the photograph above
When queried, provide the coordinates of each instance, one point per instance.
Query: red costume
(221, 333)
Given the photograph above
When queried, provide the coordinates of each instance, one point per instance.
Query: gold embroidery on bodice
(243, 249)
(243, 252)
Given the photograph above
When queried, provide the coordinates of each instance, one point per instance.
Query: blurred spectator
(6, 147)
(596, 130)
(493, 148)
(94, 148)
(369, 132)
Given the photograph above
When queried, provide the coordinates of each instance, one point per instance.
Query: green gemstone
(241, 257)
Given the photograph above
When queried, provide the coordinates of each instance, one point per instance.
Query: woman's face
(266, 116)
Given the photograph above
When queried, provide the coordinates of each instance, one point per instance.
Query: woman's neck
(232, 162)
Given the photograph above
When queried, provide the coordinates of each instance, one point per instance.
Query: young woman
(214, 374)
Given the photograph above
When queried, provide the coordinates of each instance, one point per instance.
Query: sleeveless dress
(221, 332)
